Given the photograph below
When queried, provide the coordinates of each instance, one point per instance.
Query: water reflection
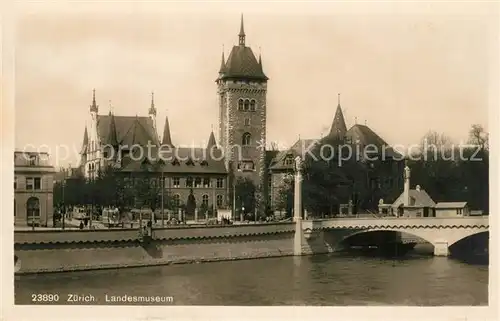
(310, 280)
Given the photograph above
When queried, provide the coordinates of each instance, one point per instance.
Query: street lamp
(63, 198)
(234, 193)
(162, 197)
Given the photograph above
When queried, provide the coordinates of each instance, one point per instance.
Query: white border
(11, 312)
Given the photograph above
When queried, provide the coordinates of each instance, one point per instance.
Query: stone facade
(33, 189)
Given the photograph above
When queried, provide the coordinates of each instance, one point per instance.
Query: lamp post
(162, 197)
(234, 194)
(63, 198)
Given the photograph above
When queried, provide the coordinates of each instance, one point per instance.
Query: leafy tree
(286, 196)
(191, 203)
(245, 194)
(333, 176)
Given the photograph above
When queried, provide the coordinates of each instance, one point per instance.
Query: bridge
(313, 236)
(440, 232)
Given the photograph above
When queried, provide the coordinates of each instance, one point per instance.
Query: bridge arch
(415, 235)
(469, 235)
(440, 238)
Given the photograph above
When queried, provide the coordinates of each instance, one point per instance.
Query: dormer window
(288, 160)
(246, 166)
(32, 160)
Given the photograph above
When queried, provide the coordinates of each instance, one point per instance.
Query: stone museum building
(241, 86)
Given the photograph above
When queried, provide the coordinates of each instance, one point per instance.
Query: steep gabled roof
(242, 63)
(129, 129)
(211, 141)
(365, 136)
(339, 127)
(420, 198)
(202, 161)
(85, 141)
(167, 139)
(299, 148)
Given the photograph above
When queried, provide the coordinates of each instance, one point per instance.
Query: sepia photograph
(250, 154)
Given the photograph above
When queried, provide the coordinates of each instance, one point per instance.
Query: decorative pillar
(297, 207)
(441, 248)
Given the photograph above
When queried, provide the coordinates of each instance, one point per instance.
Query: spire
(166, 140)
(211, 141)
(242, 33)
(94, 108)
(339, 127)
(112, 139)
(152, 109)
(222, 63)
(110, 108)
(85, 141)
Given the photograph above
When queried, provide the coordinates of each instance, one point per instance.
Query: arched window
(240, 104)
(252, 105)
(245, 140)
(176, 201)
(219, 200)
(247, 104)
(32, 209)
(204, 200)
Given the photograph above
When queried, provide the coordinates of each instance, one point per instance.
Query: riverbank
(64, 251)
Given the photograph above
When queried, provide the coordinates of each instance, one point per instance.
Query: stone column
(297, 208)
(196, 215)
(297, 197)
(441, 248)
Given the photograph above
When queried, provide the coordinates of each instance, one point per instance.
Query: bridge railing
(342, 222)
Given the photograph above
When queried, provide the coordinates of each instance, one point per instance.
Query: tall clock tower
(242, 89)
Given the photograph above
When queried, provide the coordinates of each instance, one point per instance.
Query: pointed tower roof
(242, 63)
(241, 35)
(112, 137)
(85, 141)
(211, 141)
(94, 108)
(339, 127)
(222, 64)
(167, 139)
(152, 109)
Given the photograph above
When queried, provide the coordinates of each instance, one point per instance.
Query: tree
(191, 203)
(285, 196)
(245, 194)
(457, 173)
(332, 176)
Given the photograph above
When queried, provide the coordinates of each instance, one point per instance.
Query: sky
(401, 68)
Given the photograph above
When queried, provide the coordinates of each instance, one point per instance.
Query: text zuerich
(80, 298)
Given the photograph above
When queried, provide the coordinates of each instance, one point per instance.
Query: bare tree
(478, 137)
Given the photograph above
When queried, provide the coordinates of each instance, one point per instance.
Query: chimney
(406, 191)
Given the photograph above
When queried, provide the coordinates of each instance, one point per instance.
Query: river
(331, 280)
